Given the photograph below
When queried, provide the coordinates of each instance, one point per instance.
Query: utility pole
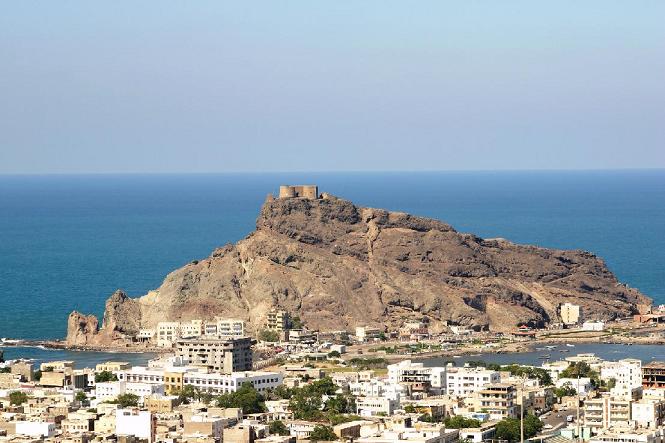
(577, 397)
(522, 409)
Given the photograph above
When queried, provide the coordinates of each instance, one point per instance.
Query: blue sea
(68, 241)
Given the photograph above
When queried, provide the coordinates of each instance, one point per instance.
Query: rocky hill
(337, 265)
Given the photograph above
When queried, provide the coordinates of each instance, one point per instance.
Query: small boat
(570, 345)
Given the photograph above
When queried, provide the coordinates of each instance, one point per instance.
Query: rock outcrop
(337, 265)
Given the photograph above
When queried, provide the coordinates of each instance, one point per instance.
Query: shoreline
(632, 336)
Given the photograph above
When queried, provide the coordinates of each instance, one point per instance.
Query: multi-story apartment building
(627, 375)
(571, 314)
(278, 320)
(230, 355)
(167, 333)
(365, 333)
(191, 329)
(653, 375)
(606, 411)
(498, 399)
(465, 381)
(418, 376)
(230, 327)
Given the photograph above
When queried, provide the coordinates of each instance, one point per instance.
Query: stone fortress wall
(303, 191)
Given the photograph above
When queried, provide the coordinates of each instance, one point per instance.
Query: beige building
(606, 411)
(112, 366)
(498, 399)
(226, 356)
(571, 314)
(278, 320)
(192, 328)
(167, 333)
(23, 369)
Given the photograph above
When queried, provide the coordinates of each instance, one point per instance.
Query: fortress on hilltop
(303, 191)
(296, 191)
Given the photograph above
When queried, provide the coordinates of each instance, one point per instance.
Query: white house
(369, 406)
(462, 382)
(141, 424)
(35, 429)
(582, 385)
(593, 326)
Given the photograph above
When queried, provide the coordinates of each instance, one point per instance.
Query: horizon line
(338, 171)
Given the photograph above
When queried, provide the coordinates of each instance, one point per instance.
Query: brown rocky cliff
(337, 265)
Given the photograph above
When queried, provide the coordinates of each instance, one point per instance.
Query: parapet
(299, 191)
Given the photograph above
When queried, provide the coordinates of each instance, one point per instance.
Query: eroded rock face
(337, 265)
(81, 329)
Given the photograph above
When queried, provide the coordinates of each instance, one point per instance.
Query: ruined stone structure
(303, 191)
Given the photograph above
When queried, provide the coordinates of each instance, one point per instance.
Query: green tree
(459, 422)
(5, 370)
(269, 336)
(509, 428)
(277, 427)
(410, 409)
(281, 392)
(564, 391)
(340, 404)
(247, 398)
(18, 398)
(322, 433)
(81, 397)
(105, 376)
(336, 419)
(127, 400)
(296, 323)
(334, 354)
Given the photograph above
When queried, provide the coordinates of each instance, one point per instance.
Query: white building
(369, 406)
(625, 436)
(364, 333)
(109, 389)
(141, 424)
(213, 382)
(230, 328)
(627, 375)
(582, 385)
(413, 373)
(35, 429)
(648, 413)
(462, 382)
(143, 390)
(555, 368)
(593, 326)
(378, 388)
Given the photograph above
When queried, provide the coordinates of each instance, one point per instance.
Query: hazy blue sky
(185, 86)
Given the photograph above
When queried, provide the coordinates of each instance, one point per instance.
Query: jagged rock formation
(337, 265)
